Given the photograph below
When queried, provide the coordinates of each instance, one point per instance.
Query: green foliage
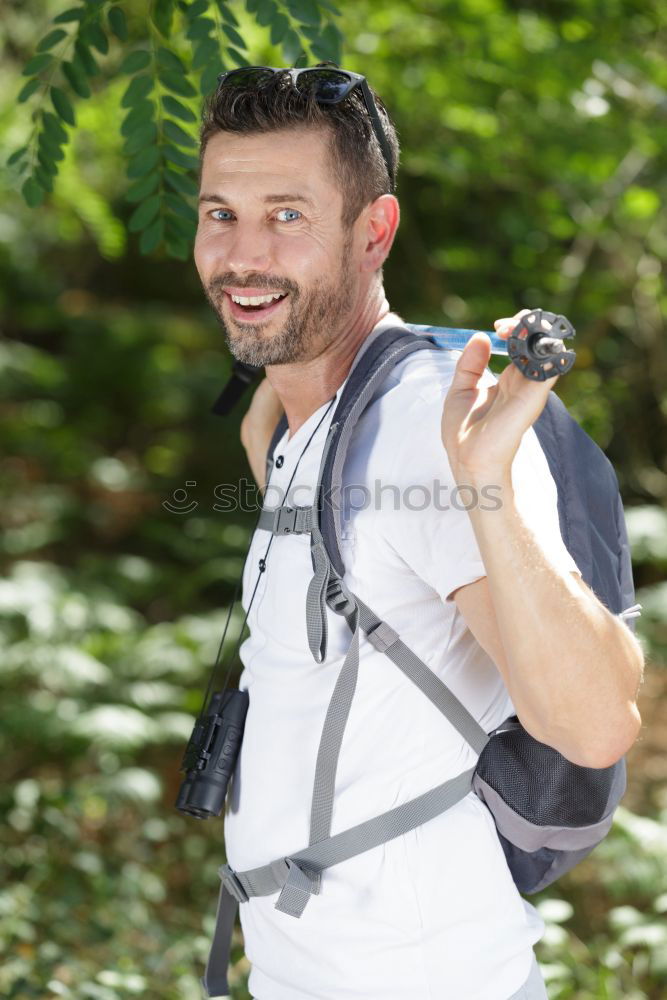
(210, 29)
(97, 899)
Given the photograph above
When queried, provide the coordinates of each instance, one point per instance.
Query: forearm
(573, 668)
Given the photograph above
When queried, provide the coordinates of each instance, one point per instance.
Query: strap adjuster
(284, 521)
(339, 598)
(291, 520)
(232, 884)
(382, 636)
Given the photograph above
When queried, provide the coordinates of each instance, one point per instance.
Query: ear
(379, 222)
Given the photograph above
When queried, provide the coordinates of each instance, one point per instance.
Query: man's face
(269, 225)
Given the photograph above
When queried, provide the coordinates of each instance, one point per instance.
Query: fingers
(471, 364)
(506, 324)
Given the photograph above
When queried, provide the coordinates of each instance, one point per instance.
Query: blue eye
(220, 210)
(292, 211)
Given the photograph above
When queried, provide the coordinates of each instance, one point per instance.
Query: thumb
(470, 366)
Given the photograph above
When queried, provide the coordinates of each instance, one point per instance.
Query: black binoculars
(210, 756)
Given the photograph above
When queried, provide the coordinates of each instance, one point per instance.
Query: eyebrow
(268, 199)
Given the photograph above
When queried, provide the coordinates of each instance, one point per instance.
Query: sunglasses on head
(328, 84)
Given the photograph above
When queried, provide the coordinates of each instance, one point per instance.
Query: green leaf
(50, 146)
(291, 47)
(144, 136)
(279, 26)
(234, 36)
(184, 229)
(174, 107)
(206, 52)
(117, 23)
(209, 78)
(196, 9)
(32, 192)
(37, 64)
(312, 34)
(137, 117)
(266, 11)
(237, 57)
(16, 155)
(179, 158)
(51, 39)
(252, 6)
(135, 61)
(72, 14)
(143, 162)
(44, 179)
(144, 213)
(321, 52)
(333, 40)
(76, 79)
(201, 28)
(53, 127)
(93, 33)
(138, 88)
(169, 61)
(47, 163)
(329, 6)
(177, 84)
(182, 183)
(181, 207)
(143, 187)
(227, 14)
(151, 236)
(177, 134)
(29, 89)
(162, 12)
(86, 56)
(304, 11)
(62, 104)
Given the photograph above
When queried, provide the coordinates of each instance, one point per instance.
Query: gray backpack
(549, 813)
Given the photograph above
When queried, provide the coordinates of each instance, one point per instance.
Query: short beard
(312, 323)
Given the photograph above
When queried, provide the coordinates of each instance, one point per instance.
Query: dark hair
(356, 158)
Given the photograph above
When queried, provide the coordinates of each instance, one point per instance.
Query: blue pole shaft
(455, 338)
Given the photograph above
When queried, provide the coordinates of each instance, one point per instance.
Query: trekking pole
(535, 345)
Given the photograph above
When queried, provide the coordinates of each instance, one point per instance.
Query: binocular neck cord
(240, 580)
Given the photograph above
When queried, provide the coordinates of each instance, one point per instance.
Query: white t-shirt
(434, 913)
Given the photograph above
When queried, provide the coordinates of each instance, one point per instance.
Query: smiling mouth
(256, 305)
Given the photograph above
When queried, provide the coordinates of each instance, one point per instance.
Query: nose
(249, 249)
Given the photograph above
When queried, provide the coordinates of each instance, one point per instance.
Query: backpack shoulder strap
(375, 364)
(326, 587)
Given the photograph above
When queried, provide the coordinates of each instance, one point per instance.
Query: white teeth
(255, 300)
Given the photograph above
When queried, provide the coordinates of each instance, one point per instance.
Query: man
(297, 217)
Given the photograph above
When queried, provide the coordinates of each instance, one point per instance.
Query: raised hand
(482, 427)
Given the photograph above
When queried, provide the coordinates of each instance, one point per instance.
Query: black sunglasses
(329, 85)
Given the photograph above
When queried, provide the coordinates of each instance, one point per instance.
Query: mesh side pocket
(539, 784)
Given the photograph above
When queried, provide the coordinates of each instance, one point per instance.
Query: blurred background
(534, 173)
